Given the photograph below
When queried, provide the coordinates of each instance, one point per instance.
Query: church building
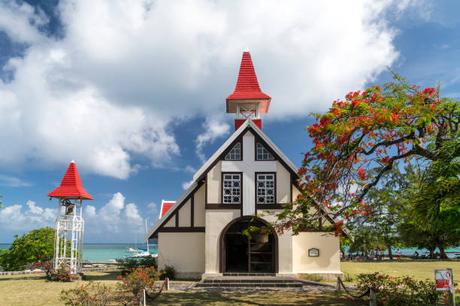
(244, 184)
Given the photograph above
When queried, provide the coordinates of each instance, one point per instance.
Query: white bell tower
(68, 247)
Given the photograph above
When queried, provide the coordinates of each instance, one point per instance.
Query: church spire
(247, 100)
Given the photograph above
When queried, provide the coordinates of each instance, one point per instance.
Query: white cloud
(115, 221)
(214, 128)
(125, 70)
(19, 22)
(187, 184)
(19, 219)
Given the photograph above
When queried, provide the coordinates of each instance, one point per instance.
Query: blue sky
(135, 92)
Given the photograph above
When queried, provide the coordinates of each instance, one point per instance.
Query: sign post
(444, 279)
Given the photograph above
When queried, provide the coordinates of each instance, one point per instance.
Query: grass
(421, 270)
(22, 290)
(220, 298)
(35, 290)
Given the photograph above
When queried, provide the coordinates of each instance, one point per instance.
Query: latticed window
(262, 153)
(235, 152)
(265, 188)
(231, 188)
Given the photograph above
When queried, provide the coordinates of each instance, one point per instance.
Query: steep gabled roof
(248, 124)
(71, 186)
(200, 174)
(247, 85)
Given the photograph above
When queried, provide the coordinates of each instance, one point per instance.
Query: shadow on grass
(22, 277)
(216, 297)
(101, 276)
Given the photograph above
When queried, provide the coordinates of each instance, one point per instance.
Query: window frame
(230, 149)
(256, 180)
(222, 187)
(257, 142)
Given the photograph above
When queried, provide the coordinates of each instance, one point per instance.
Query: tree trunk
(442, 252)
(431, 252)
(390, 254)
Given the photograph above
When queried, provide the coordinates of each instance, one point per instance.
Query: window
(265, 183)
(235, 152)
(262, 153)
(231, 188)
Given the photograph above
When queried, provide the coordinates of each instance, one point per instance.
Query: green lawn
(21, 290)
(27, 290)
(418, 269)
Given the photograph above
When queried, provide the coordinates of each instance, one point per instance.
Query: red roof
(71, 186)
(165, 206)
(247, 86)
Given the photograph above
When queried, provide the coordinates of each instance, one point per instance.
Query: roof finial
(72, 161)
(246, 49)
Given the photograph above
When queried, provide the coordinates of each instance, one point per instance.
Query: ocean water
(108, 252)
(105, 252)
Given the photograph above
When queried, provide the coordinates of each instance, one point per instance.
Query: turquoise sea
(108, 252)
(105, 252)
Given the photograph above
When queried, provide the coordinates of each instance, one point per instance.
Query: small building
(212, 228)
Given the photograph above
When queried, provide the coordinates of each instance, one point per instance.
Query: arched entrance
(253, 253)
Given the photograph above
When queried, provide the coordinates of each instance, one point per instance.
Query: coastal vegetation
(35, 247)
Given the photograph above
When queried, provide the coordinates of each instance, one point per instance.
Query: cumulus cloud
(123, 71)
(214, 128)
(18, 219)
(115, 221)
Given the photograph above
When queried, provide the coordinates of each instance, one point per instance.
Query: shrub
(139, 279)
(169, 272)
(398, 291)
(62, 274)
(89, 294)
(46, 266)
(129, 264)
(36, 245)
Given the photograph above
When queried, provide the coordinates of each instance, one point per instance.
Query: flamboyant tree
(361, 138)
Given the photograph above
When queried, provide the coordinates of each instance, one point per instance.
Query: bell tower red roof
(247, 86)
(71, 186)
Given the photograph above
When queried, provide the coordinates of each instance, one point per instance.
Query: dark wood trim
(219, 158)
(271, 206)
(222, 186)
(206, 190)
(183, 229)
(192, 210)
(260, 206)
(230, 147)
(173, 214)
(222, 206)
(257, 138)
(222, 255)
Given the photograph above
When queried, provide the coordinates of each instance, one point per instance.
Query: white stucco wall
(183, 251)
(213, 184)
(284, 243)
(216, 220)
(329, 253)
(185, 214)
(199, 207)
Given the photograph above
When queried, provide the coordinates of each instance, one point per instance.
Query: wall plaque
(313, 252)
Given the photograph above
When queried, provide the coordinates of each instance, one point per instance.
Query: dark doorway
(253, 252)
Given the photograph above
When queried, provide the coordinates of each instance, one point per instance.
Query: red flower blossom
(362, 173)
